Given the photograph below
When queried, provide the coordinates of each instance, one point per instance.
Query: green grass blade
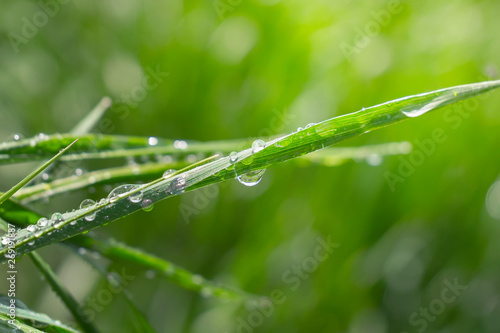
(99, 146)
(31, 321)
(92, 118)
(139, 319)
(22, 216)
(32, 175)
(117, 251)
(64, 294)
(151, 170)
(297, 144)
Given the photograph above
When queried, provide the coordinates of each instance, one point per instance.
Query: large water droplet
(426, 108)
(136, 197)
(5, 241)
(31, 228)
(177, 186)
(57, 219)
(147, 205)
(114, 195)
(168, 173)
(251, 178)
(42, 222)
(88, 204)
(258, 145)
(152, 141)
(233, 157)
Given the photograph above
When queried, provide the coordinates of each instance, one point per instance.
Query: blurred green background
(233, 66)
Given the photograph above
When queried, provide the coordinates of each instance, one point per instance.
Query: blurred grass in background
(237, 69)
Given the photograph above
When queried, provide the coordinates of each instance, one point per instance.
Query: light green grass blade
(99, 146)
(92, 118)
(63, 293)
(32, 175)
(312, 138)
(31, 321)
(117, 251)
(151, 170)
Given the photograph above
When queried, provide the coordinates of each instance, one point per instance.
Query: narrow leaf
(32, 175)
(264, 155)
(64, 294)
(92, 118)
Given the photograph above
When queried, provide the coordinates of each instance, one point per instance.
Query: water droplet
(31, 243)
(258, 145)
(56, 217)
(251, 178)
(78, 172)
(167, 159)
(374, 159)
(5, 241)
(233, 157)
(426, 108)
(88, 204)
(147, 205)
(168, 173)
(31, 228)
(136, 197)
(152, 141)
(300, 129)
(45, 176)
(119, 191)
(191, 158)
(42, 222)
(177, 186)
(309, 125)
(248, 160)
(38, 233)
(42, 136)
(17, 137)
(180, 144)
